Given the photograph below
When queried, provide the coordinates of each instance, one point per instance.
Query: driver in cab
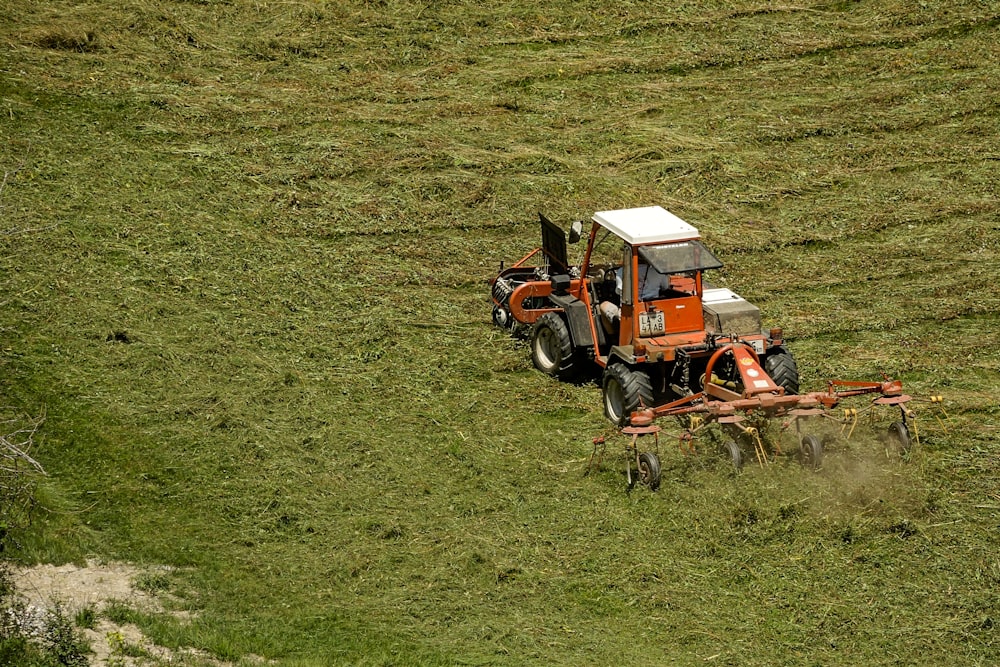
(652, 283)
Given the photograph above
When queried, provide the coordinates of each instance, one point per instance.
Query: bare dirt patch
(74, 588)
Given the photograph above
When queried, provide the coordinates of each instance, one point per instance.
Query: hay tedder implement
(666, 343)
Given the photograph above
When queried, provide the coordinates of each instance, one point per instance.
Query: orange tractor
(639, 312)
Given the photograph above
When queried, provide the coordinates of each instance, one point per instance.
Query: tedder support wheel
(552, 348)
(811, 452)
(899, 436)
(732, 450)
(780, 365)
(502, 318)
(649, 470)
(624, 390)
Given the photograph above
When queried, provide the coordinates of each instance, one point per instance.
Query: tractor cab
(661, 268)
(657, 301)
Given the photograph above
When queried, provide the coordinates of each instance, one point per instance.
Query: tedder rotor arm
(766, 397)
(887, 388)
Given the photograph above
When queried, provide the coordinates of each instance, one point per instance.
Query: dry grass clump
(66, 39)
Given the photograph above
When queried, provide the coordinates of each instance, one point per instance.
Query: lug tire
(780, 365)
(552, 348)
(649, 470)
(624, 390)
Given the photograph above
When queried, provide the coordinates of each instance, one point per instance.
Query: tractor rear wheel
(552, 348)
(811, 452)
(649, 470)
(625, 390)
(780, 365)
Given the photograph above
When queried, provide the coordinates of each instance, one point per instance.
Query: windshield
(607, 252)
(679, 257)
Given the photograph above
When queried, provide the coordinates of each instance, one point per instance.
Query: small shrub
(9, 626)
(19, 474)
(62, 641)
(117, 644)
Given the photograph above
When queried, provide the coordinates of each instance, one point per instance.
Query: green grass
(244, 253)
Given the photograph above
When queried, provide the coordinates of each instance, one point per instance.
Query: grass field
(244, 254)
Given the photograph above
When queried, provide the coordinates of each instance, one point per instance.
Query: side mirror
(575, 231)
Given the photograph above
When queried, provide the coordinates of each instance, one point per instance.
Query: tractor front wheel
(625, 391)
(552, 348)
(780, 365)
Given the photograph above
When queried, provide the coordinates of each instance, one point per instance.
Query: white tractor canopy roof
(649, 224)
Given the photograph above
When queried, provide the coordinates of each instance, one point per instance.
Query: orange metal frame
(716, 402)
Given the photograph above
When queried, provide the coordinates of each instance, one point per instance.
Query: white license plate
(651, 324)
